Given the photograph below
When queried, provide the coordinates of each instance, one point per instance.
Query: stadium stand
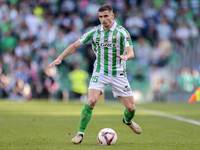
(165, 35)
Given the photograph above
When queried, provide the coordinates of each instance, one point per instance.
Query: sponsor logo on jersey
(128, 38)
(106, 44)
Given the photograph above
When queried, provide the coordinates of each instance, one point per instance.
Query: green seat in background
(173, 60)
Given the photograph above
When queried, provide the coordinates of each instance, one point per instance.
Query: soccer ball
(107, 136)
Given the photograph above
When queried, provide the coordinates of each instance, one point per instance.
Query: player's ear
(113, 15)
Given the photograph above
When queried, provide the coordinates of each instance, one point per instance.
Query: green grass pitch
(41, 125)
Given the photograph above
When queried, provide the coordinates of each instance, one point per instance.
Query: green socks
(128, 115)
(86, 115)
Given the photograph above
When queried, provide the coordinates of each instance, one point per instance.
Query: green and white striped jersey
(106, 45)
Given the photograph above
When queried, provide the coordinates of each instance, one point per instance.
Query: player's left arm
(128, 46)
(129, 54)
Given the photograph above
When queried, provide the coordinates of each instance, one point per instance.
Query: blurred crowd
(34, 32)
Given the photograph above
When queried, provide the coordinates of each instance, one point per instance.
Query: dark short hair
(105, 7)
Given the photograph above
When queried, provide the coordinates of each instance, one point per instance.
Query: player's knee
(91, 102)
(131, 109)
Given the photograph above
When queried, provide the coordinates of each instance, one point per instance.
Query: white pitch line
(159, 113)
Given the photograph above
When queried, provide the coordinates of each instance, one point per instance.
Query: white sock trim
(126, 121)
(81, 133)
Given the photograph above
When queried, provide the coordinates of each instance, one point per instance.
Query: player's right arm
(68, 51)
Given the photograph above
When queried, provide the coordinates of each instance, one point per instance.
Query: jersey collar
(112, 28)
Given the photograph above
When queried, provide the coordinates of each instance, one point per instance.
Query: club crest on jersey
(114, 36)
(106, 44)
(98, 36)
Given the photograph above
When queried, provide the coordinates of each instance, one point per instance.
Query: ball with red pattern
(107, 136)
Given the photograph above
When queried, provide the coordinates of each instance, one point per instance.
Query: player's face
(106, 19)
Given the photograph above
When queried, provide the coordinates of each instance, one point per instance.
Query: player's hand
(55, 62)
(123, 57)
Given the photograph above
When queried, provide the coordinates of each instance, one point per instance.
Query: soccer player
(112, 46)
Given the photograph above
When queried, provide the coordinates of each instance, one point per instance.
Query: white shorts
(120, 85)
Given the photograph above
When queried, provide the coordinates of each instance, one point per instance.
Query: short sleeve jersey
(106, 46)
